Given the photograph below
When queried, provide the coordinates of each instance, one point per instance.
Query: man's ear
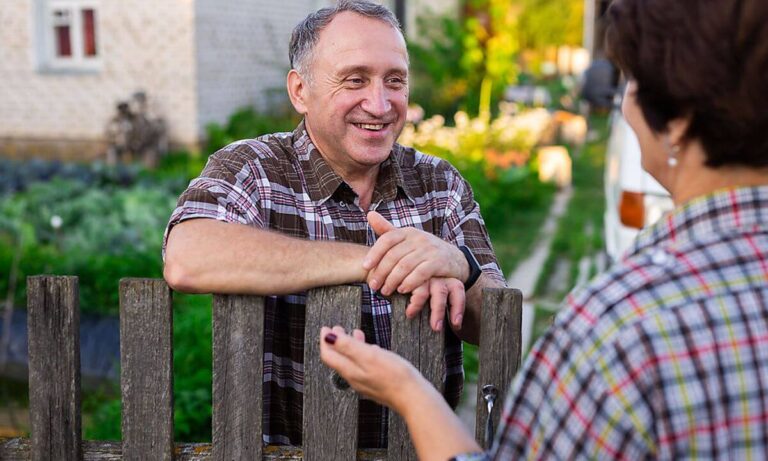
(297, 89)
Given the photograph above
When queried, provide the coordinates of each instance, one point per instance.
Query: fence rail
(146, 324)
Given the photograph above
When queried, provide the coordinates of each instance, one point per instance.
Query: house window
(71, 35)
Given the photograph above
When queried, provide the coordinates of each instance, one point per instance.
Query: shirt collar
(722, 211)
(322, 181)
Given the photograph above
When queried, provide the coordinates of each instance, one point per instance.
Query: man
(292, 211)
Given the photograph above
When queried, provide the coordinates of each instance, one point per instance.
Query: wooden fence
(146, 321)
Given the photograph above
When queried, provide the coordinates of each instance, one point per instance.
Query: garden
(103, 223)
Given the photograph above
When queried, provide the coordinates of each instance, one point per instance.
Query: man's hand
(440, 292)
(405, 259)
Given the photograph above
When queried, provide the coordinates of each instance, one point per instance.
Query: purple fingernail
(330, 338)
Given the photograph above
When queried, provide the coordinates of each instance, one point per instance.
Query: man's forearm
(209, 256)
(470, 330)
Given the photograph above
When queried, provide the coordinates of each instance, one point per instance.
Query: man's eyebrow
(367, 70)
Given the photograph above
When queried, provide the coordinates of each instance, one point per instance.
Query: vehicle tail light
(631, 209)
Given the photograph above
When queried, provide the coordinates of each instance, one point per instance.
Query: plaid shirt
(665, 356)
(281, 182)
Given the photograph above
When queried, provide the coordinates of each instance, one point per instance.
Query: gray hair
(306, 33)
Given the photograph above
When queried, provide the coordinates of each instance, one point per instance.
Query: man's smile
(371, 126)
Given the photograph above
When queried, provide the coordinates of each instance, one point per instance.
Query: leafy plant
(247, 123)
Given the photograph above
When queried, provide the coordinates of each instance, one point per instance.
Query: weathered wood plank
(18, 449)
(54, 367)
(146, 377)
(425, 349)
(500, 349)
(238, 353)
(330, 413)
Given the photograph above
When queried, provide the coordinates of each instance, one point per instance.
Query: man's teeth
(368, 126)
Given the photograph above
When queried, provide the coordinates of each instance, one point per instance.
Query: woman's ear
(677, 129)
(297, 88)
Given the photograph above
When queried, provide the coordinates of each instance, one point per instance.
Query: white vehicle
(634, 199)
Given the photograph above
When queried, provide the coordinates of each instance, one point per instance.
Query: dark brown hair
(707, 59)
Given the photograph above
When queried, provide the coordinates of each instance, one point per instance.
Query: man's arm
(210, 256)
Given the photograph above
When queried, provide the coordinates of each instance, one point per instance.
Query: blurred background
(108, 109)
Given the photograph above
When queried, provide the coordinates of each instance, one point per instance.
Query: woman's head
(704, 61)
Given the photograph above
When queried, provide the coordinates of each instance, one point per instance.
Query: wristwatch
(474, 268)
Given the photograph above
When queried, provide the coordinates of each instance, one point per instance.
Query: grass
(514, 234)
(580, 230)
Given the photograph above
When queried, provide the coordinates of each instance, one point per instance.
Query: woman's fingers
(331, 355)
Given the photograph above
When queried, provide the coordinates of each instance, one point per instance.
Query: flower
(56, 221)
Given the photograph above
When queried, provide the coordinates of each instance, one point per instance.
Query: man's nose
(377, 100)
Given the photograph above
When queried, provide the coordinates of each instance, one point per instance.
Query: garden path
(524, 278)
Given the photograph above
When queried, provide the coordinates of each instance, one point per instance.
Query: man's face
(358, 95)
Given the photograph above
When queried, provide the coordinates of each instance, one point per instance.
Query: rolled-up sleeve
(464, 225)
(229, 189)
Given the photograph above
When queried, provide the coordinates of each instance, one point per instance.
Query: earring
(672, 160)
(672, 151)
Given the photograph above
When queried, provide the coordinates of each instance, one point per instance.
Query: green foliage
(454, 60)
(247, 123)
(440, 78)
(550, 22)
(192, 360)
(492, 155)
(104, 235)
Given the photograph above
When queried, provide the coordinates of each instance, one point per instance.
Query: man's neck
(362, 179)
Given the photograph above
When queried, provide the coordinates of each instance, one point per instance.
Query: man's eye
(355, 81)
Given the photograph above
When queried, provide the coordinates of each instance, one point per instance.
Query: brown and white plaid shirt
(281, 182)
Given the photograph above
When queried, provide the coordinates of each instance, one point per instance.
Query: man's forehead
(348, 30)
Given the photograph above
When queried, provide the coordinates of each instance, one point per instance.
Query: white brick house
(64, 64)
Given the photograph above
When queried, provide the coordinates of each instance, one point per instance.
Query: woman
(666, 355)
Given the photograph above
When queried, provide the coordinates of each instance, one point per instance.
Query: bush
(493, 155)
(246, 123)
(102, 235)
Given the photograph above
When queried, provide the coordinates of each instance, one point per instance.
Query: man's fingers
(382, 246)
(378, 223)
(419, 297)
(438, 291)
(377, 277)
(421, 273)
(457, 299)
(408, 266)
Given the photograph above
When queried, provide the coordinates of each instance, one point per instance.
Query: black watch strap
(474, 268)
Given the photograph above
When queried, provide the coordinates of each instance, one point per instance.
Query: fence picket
(500, 351)
(330, 413)
(415, 340)
(54, 367)
(238, 351)
(146, 377)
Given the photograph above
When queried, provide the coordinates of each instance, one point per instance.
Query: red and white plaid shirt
(665, 356)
